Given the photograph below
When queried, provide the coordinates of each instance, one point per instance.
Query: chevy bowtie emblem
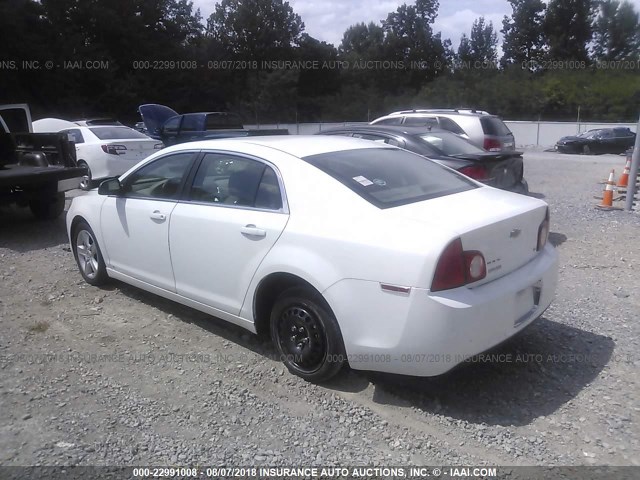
(514, 233)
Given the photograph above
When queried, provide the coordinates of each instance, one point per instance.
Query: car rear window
(494, 126)
(116, 133)
(390, 177)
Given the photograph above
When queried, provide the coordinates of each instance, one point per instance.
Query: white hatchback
(345, 250)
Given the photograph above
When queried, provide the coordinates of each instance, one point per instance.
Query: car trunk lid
(503, 226)
(134, 149)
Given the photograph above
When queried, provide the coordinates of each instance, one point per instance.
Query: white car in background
(106, 149)
(346, 250)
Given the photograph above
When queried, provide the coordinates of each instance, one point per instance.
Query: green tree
(465, 53)
(523, 32)
(256, 29)
(482, 45)
(409, 37)
(616, 31)
(363, 40)
(567, 28)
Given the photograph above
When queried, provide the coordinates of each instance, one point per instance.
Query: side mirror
(111, 186)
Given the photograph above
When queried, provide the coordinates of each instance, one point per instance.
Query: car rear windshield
(450, 144)
(494, 126)
(390, 177)
(116, 133)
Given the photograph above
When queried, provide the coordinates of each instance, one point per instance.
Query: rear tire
(306, 335)
(48, 208)
(88, 255)
(87, 181)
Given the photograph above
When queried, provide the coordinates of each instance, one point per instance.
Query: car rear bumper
(426, 334)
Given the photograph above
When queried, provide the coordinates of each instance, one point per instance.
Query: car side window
(604, 134)
(75, 135)
(448, 124)
(232, 180)
(191, 123)
(160, 179)
(421, 121)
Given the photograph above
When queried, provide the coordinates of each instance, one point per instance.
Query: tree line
(80, 58)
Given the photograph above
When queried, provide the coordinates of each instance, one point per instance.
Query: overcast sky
(328, 19)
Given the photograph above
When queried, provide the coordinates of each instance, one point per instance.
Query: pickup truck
(35, 168)
(165, 124)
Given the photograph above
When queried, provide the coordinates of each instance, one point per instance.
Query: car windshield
(116, 133)
(389, 177)
(450, 144)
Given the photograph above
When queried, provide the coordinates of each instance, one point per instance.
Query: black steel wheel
(306, 334)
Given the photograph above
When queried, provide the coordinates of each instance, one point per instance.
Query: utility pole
(633, 173)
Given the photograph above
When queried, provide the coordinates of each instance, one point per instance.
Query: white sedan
(345, 250)
(106, 150)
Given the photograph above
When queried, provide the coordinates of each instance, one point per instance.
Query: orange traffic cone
(607, 195)
(623, 181)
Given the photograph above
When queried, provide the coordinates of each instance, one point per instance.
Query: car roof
(441, 111)
(395, 129)
(297, 145)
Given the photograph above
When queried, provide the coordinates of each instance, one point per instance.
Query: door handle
(253, 231)
(158, 215)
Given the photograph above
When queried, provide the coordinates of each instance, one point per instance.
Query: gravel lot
(175, 386)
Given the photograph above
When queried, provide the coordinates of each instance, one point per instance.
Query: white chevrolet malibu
(345, 250)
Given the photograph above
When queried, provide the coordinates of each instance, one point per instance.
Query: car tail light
(492, 145)
(477, 172)
(457, 267)
(113, 149)
(543, 232)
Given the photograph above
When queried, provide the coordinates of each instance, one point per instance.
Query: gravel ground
(117, 376)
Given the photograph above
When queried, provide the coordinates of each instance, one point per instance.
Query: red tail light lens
(114, 149)
(543, 232)
(492, 145)
(477, 172)
(456, 267)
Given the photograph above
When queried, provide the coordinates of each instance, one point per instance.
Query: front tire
(88, 255)
(586, 150)
(306, 335)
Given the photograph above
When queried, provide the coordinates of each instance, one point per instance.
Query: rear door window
(421, 122)
(75, 135)
(448, 124)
